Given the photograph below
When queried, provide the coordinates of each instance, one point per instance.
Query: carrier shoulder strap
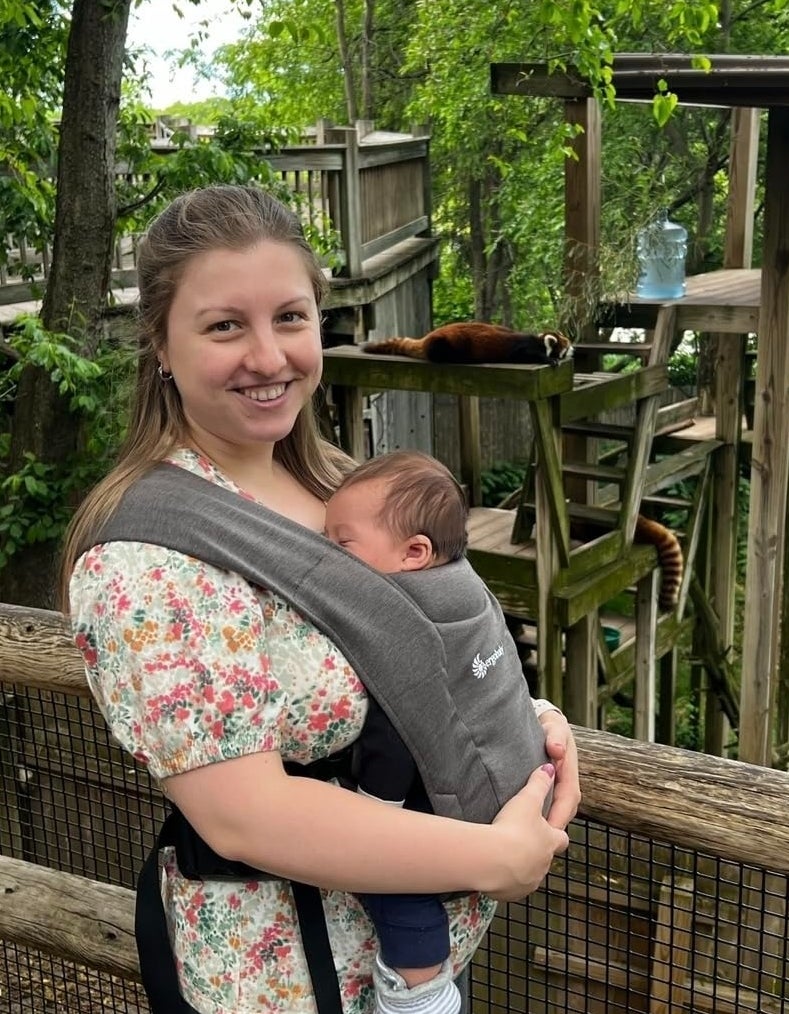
(386, 638)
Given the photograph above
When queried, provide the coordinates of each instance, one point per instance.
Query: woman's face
(243, 345)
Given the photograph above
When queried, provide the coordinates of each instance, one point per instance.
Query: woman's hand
(560, 746)
(527, 842)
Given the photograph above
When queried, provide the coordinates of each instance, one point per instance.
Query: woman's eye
(292, 317)
(224, 326)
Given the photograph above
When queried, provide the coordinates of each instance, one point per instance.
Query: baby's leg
(413, 973)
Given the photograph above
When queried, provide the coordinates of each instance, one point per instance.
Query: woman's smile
(243, 346)
(269, 393)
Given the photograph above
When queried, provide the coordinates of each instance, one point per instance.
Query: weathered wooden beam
(689, 460)
(580, 696)
(574, 600)
(615, 391)
(676, 416)
(725, 808)
(646, 414)
(693, 537)
(634, 77)
(549, 486)
(391, 239)
(741, 202)
(714, 654)
(670, 974)
(68, 916)
(470, 448)
(10, 815)
(727, 389)
(732, 810)
(622, 666)
(666, 725)
(582, 216)
(591, 556)
(645, 678)
(394, 151)
(769, 461)
(350, 417)
(535, 79)
(348, 365)
(719, 807)
(37, 650)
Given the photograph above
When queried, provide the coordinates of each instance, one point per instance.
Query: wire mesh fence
(629, 924)
(624, 923)
(32, 982)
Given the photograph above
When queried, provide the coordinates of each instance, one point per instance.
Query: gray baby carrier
(473, 736)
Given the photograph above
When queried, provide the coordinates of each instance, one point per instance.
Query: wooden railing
(372, 189)
(670, 797)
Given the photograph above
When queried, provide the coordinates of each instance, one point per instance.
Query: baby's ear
(418, 552)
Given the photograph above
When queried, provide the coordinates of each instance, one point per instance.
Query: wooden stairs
(598, 476)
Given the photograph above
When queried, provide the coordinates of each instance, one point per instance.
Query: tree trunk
(347, 64)
(82, 257)
(368, 29)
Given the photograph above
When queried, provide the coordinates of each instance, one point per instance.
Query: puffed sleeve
(175, 654)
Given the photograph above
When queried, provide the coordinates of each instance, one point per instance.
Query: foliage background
(497, 164)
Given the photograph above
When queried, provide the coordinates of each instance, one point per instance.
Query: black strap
(157, 961)
(317, 947)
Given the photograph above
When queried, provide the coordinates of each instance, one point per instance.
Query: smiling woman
(216, 683)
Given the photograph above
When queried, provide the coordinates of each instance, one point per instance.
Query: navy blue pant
(413, 929)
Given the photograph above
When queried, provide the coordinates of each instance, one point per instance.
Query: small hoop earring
(163, 373)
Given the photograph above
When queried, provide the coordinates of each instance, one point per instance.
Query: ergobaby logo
(481, 665)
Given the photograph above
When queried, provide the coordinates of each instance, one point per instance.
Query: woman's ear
(418, 552)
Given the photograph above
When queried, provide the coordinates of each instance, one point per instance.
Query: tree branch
(127, 209)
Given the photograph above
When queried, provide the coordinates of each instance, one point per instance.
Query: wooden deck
(726, 301)
(490, 531)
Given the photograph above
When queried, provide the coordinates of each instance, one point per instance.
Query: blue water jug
(661, 247)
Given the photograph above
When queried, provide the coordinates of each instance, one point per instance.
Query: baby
(404, 512)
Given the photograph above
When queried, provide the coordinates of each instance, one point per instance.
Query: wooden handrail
(71, 917)
(725, 808)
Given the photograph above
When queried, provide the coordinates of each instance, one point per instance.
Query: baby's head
(400, 511)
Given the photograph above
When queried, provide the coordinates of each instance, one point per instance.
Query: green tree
(304, 60)
(32, 52)
(43, 428)
(64, 383)
(497, 162)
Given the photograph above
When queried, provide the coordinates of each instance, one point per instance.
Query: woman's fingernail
(549, 769)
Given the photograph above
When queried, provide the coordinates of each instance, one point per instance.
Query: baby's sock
(438, 995)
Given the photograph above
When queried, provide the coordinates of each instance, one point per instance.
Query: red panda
(476, 342)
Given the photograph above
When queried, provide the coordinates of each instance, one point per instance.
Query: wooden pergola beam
(769, 461)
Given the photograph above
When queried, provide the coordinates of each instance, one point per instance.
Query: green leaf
(663, 106)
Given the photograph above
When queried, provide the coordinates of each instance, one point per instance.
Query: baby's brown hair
(422, 498)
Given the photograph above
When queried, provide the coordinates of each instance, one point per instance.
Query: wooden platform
(725, 301)
(348, 366)
(490, 530)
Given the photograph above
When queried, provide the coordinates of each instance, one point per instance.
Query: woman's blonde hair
(211, 218)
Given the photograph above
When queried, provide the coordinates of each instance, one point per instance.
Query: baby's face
(352, 522)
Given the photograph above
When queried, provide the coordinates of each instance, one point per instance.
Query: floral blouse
(191, 664)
